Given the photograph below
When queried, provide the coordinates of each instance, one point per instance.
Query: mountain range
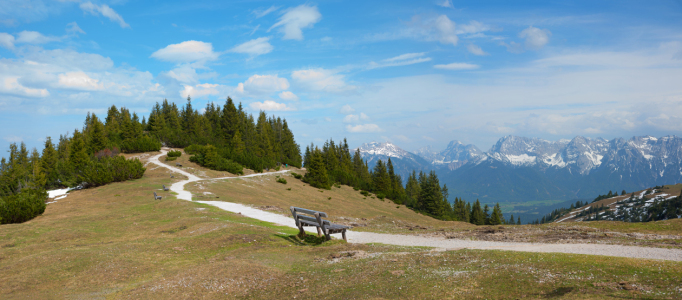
(520, 169)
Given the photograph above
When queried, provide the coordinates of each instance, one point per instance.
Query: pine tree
(380, 178)
(78, 156)
(237, 143)
(496, 217)
(97, 140)
(476, 216)
(486, 215)
(49, 163)
(38, 178)
(316, 174)
(518, 220)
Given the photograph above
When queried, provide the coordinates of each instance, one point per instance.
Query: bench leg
(329, 237)
(343, 233)
(301, 232)
(319, 231)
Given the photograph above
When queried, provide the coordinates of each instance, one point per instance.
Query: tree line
(334, 164)
(236, 138)
(87, 158)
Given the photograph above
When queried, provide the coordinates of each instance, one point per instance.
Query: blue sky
(414, 73)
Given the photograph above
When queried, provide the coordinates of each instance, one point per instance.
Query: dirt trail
(412, 240)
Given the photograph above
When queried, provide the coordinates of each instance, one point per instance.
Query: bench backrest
(300, 214)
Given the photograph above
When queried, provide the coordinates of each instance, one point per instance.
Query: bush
(112, 169)
(365, 193)
(282, 180)
(168, 158)
(174, 153)
(296, 175)
(381, 196)
(141, 144)
(23, 206)
(207, 156)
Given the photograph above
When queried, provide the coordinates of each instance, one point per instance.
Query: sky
(414, 73)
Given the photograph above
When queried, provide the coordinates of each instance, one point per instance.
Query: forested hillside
(224, 139)
(236, 135)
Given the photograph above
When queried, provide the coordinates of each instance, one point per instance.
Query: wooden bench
(323, 226)
(178, 164)
(156, 197)
(165, 188)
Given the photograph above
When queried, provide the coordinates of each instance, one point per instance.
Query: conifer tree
(78, 156)
(97, 140)
(518, 220)
(477, 217)
(316, 174)
(49, 163)
(380, 178)
(486, 215)
(496, 217)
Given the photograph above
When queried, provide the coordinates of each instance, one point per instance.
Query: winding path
(411, 240)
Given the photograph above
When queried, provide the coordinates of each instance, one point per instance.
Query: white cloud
(364, 128)
(188, 51)
(13, 139)
(11, 85)
(513, 47)
(327, 119)
(295, 19)
(79, 81)
(254, 47)
(263, 13)
(73, 28)
(34, 37)
(355, 118)
(183, 73)
(400, 60)
(6, 40)
(321, 80)
(346, 109)
(269, 105)
(440, 29)
(104, 10)
(445, 3)
(457, 66)
(289, 96)
(263, 84)
(536, 38)
(200, 90)
(476, 50)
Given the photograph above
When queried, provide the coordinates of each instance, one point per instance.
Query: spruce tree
(477, 217)
(97, 140)
(316, 174)
(78, 156)
(496, 217)
(518, 220)
(380, 178)
(49, 163)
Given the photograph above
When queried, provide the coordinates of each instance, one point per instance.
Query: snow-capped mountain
(525, 169)
(404, 162)
(454, 156)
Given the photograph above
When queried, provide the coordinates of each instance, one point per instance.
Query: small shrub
(174, 153)
(356, 189)
(296, 175)
(289, 189)
(365, 193)
(282, 180)
(330, 198)
(321, 191)
(381, 196)
(337, 185)
(169, 158)
(398, 206)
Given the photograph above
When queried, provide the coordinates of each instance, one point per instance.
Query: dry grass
(117, 242)
(346, 205)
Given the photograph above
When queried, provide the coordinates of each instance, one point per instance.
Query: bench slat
(310, 219)
(310, 212)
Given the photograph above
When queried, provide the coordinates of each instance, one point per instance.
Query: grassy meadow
(117, 242)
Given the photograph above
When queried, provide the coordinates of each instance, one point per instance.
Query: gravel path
(412, 240)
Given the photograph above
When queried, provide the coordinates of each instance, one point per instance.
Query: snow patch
(522, 159)
(57, 193)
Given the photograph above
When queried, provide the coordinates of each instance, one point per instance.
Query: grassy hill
(116, 241)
